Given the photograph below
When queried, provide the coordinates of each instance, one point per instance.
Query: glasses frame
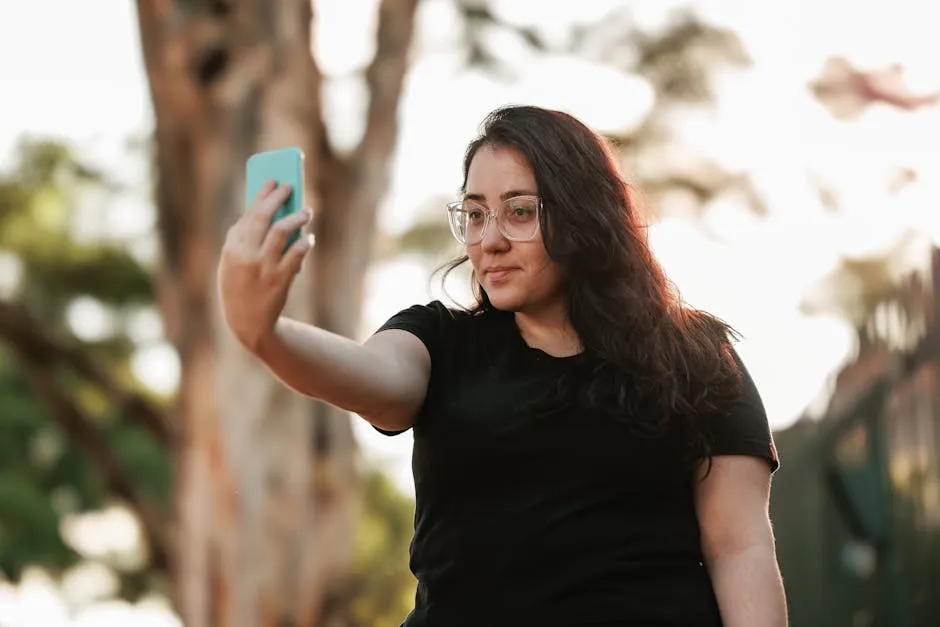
(454, 207)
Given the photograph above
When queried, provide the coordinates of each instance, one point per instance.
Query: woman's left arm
(732, 502)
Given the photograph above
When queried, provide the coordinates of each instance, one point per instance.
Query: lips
(499, 273)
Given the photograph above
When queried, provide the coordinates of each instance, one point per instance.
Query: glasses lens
(457, 222)
(467, 220)
(519, 219)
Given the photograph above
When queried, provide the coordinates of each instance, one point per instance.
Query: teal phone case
(284, 165)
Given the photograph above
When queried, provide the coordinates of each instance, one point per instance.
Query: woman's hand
(255, 272)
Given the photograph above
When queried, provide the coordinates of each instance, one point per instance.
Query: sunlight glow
(158, 366)
(145, 325)
(38, 601)
(11, 274)
(89, 319)
(110, 533)
(89, 582)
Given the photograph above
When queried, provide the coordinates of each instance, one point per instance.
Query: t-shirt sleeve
(425, 322)
(744, 429)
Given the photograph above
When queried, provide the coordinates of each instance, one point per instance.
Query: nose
(493, 239)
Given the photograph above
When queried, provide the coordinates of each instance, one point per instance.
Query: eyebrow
(504, 196)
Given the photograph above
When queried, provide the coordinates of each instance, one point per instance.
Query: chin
(505, 299)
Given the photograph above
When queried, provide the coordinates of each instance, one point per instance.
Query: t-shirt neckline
(538, 353)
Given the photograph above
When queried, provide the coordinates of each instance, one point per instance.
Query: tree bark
(350, 191)
(266, 496)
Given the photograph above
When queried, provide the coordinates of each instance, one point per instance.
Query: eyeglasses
(516, 218)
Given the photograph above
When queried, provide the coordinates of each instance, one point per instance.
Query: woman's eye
(520, 210)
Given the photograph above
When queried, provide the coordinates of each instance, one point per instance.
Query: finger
(250, 215)
(291, 261)
(261, 213)
(268, 203)
(266, 189)
(281, 231)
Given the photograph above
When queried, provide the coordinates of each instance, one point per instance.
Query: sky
(61, 82)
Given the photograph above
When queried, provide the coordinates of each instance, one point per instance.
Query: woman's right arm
(384, 380)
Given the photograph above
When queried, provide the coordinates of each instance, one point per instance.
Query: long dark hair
(647, 357)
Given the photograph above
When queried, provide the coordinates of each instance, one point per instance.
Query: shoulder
(434, 323)
(432, 315)
(743, 428)
(748, 399)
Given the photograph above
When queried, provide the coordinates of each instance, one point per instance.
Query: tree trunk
(262, 538)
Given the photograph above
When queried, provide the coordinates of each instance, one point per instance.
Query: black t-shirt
(523, 520)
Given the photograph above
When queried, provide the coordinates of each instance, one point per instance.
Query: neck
(549, 330)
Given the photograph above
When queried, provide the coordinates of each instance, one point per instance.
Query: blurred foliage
(877, 286)
(36, 208)
(37, 465)
(678, 61)
(427, 237)
(48, 473)
(384, 588)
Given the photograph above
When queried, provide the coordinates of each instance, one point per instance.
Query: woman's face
(518, 276)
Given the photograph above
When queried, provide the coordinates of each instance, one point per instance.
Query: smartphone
(284, 165)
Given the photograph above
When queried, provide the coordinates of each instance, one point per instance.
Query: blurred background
(151, 474)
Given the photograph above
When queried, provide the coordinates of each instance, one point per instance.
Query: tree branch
(24, 334)
(40, 355)
(351, 189)
(888, 86)
(78, 426)
(384, 77)
(846, 90)
(153, 17)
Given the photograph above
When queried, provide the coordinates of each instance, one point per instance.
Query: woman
(587, 449)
